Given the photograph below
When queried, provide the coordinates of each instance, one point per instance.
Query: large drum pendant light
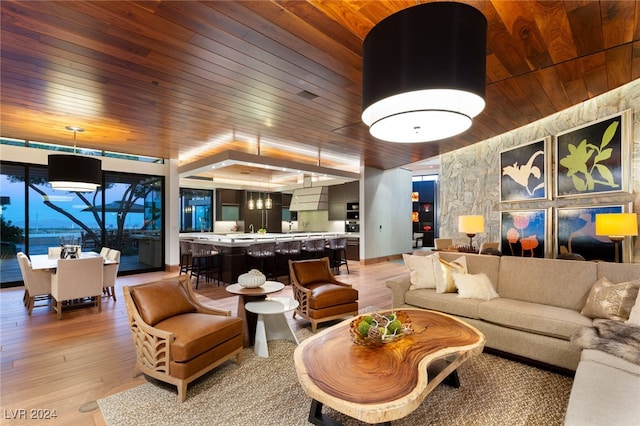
(73, 172)
(423, 72)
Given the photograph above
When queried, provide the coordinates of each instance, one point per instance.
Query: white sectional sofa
(539, 305)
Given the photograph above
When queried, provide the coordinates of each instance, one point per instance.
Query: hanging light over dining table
(75, 173)
(423, 72)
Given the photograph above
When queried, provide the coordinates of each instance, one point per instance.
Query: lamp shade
(471, 224)
(617, 224)
(74, 173)
(423, 72)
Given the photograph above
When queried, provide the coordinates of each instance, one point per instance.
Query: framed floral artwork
(525, 171)
(575, 233)
(525, 233)
(595, 158)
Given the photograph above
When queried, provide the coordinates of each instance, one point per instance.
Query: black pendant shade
(74, 172)
(423, 72)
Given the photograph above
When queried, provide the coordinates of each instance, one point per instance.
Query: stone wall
(469, 181)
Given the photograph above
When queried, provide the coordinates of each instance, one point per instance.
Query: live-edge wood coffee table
(385, 383)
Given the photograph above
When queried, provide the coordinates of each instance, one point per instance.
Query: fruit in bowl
(380, 328)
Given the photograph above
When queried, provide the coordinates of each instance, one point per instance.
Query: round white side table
(272, 323)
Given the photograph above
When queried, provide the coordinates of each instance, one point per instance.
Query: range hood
(310, 198)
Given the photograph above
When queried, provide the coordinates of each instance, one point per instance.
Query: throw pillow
(476, 286)
(422, 270)
(611, 301)
(634, 316)
(444, 280)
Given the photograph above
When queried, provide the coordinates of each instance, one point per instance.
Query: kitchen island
(233, 246)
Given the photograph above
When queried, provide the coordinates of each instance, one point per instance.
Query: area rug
(265, 391)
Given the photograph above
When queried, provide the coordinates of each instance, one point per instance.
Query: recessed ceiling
(189, 80)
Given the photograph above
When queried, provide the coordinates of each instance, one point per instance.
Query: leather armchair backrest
(159, 301)
(311, 272)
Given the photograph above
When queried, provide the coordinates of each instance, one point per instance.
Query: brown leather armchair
(320, 296)
(176, 338)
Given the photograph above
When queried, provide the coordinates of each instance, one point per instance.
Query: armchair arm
(153, 346)
(185, 282)
(302, 295)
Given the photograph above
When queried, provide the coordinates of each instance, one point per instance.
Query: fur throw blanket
(614, 337)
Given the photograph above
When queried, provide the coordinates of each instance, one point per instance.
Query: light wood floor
(65, 365)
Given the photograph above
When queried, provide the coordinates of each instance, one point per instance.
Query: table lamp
(617, 226)
(471, 225)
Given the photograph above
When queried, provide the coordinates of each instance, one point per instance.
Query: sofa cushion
(196, 333)
(422, 270)
(326, 295)
(444, 280)
(161, 300)
(611, 301)
(310, 272)
(474, 286)
(448, 303)
(562, 283)
(532, 317)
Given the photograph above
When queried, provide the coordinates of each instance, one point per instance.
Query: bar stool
(313, 249)
(286, 250)
(206, 262)
(259, 253)
(186, 258)
(338, 250)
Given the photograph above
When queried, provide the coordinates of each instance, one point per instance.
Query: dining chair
(110, 273)
(442, 243)
(77, 279)
(104, 252)
(37, 284)
(489, 245)
(54, 252)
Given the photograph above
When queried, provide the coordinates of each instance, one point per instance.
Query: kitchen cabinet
(337, 208)
(352, 192)
(353, 248)
(228, 202)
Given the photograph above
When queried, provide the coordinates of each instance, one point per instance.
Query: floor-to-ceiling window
(12, 219)
(196, 209)
(126, 213)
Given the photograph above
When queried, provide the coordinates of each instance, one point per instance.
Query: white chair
(110, 273)
(77, 279)
(104, 252)
(37, 284)
(418, 238)
(54, 252)
(442, 243)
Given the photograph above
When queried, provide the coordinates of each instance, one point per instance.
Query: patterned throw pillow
(444, 280)
(611, 301)
(422, 270)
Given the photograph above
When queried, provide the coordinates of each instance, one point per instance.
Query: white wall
(385, 221)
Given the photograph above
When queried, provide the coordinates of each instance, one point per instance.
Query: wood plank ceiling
(188, 79)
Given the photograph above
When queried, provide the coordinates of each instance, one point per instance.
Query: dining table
(44, 261)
